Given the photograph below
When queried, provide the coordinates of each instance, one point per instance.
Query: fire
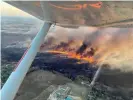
(76, 49)
(89, 59)
(111, 46)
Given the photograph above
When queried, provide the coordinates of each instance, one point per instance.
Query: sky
(9, 10)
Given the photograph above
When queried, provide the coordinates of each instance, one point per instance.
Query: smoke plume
(113, 46)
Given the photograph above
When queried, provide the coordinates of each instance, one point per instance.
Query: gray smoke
(114, 45)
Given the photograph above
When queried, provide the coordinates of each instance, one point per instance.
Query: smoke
(66, 34)
(82, 48)
(114, 46)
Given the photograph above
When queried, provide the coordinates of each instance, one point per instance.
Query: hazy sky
(9, 10)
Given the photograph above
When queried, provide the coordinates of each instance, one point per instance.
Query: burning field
(111, 46)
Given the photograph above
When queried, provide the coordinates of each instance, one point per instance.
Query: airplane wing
(80, 13)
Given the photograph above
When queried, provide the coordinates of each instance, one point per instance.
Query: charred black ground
(53, 62)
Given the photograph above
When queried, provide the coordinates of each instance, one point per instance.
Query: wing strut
(14, 81)
(95, 76)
